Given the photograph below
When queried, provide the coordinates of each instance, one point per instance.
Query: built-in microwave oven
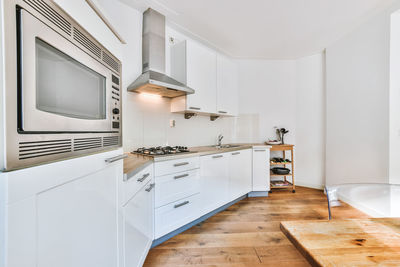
(63, 99)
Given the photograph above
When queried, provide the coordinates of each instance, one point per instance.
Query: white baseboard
(305, 184)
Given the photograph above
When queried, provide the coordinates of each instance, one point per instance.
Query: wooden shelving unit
(273, 174)
(290, 185)
(278, 163)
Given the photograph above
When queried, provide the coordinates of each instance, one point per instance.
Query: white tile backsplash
(147, 123)
(248, 128)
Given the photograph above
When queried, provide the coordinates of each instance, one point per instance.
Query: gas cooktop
(161, 150)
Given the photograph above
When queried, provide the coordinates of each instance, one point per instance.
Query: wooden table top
(361, 242)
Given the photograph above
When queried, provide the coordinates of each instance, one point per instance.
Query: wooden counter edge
(282, 147)
(130, 171)
(299, 247)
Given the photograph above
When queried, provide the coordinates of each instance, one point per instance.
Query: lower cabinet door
(240, 169)
(214, 177)
(138, 226)
(261, 169)
(77, 221)
(64, 214)
(176, 214)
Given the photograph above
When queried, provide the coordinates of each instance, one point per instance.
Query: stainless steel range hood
(154, 80)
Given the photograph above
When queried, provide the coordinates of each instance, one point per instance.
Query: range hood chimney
(153, 80)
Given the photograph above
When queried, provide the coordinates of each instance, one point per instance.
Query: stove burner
(167, 150)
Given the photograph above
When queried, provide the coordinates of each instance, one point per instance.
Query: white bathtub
(376, 200)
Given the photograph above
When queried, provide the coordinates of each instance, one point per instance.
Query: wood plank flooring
(248, 233)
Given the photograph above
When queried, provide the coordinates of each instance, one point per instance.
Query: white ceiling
(268, 29)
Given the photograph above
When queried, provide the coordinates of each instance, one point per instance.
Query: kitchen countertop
(361, 242)
(135, 163)
(208, 150)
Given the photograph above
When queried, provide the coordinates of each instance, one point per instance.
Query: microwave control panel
(116, 107)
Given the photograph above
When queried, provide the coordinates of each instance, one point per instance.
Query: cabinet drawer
(176, 214)
(133, 184)
(174, 166)
(176, 186)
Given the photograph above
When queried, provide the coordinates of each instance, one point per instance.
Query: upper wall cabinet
(85, 15)
(227, 86)
(196, 66)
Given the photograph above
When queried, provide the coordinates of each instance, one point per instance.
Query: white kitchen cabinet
(176, 214)
(196, 66)
(132, 184)
(176, 186)
(174, 166)
(64, 214)
(138, 217)
(90, 21)
(77, 222)
(240, 173)
(227, 86)
(261, 169)
(177, 194)
(214, 171)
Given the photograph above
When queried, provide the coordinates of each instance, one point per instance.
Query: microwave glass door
(63, 89)
(60, 78)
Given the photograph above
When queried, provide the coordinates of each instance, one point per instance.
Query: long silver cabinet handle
(260, 150)
(235, 153)
(181, 176)
(223, 112)
(151, 186)
(218, 156)
(143, 177)
(181, 164)
(181, 204)
(195, 108)
(113, 159)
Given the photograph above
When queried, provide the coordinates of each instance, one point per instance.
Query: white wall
(2, 183)
(394, 116)
(267, 98)
(310, 121)
(2, 85)
(358, 103)
(290, 94)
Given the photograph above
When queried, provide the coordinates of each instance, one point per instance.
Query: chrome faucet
(220, 137)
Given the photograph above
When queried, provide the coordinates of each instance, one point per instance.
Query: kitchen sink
(227, 146)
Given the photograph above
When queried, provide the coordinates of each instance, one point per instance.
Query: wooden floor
(248, 233)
